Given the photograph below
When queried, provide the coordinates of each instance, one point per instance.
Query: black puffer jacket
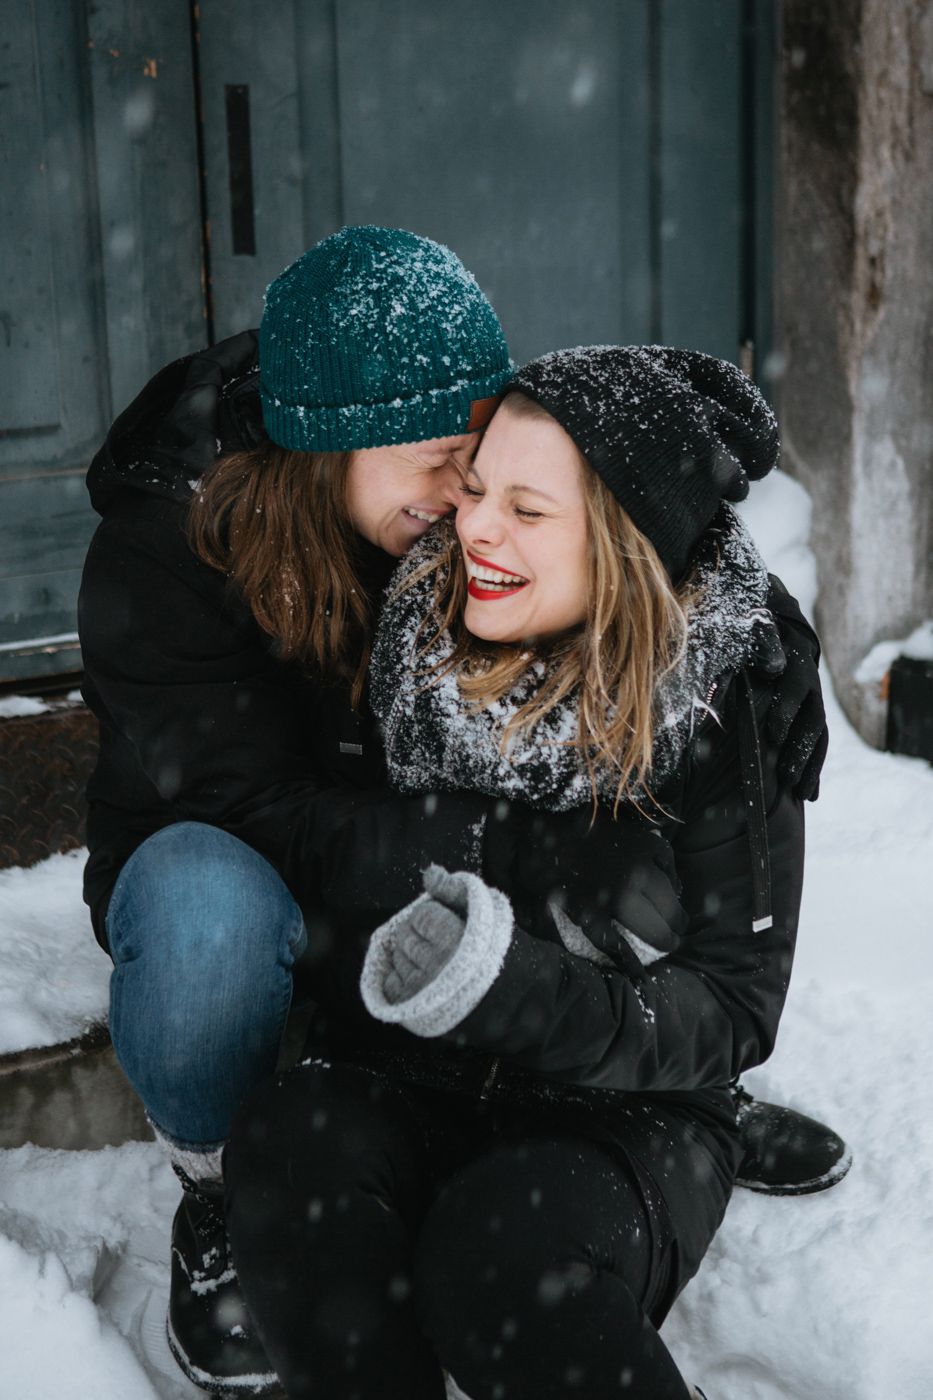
(580, 1044)
(550, 1026)
(199, 721)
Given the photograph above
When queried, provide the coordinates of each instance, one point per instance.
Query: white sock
(202, 1167)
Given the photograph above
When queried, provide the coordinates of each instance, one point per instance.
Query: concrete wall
(855, 302)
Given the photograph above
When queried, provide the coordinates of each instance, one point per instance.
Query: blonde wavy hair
(633, 634)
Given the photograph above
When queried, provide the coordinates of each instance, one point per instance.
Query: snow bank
(829, 1295)
(66, 1218)
(53, 976)
(825, 1296)
(20, 706)
(918, 645)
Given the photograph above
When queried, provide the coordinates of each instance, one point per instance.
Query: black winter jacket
(199, 721)
(582, 1042)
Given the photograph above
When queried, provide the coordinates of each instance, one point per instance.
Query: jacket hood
(188, 414)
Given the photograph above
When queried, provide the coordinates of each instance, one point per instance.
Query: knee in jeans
(191, 887)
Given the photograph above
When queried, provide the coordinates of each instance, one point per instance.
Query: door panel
(254, 158)
(603, 168)
(50, 396)
(146, 169)
(701, 197)
(536, 172)
(100, 279)
(589, 162)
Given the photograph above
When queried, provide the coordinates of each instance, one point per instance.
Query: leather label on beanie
(481, 410)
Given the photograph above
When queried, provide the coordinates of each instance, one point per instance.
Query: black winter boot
(209, 1330)
(786, 1153)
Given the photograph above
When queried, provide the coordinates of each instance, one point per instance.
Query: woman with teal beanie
(255, 497)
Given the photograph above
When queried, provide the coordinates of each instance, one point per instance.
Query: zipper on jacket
(753, 785)
(490, 1079)
(707, 709)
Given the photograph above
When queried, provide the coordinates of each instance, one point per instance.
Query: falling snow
(823, 1296)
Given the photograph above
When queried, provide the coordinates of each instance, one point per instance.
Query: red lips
(487, 595)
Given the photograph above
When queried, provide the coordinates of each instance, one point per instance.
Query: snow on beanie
(373, 337)
(671, 432)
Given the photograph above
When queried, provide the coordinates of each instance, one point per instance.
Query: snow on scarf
(433, 741)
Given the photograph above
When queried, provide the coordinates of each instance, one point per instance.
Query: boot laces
(211, 1203)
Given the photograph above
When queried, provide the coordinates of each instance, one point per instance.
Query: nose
(479, 522)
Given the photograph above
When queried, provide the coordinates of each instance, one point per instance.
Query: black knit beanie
(671, 432)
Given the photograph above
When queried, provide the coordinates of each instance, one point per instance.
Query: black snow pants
(384, 1233)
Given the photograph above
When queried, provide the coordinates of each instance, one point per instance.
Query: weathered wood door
(604, 167)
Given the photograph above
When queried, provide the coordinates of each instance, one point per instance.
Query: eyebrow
(517, 489)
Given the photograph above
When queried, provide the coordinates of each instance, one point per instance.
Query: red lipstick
(487, 595)
(488, 564)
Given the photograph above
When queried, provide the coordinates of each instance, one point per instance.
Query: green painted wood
(518, 134)
(53, 399)
(101, 280)
(45, 519)
(604, 169)
(147, 186)
(30, 388)
(588, 162)
(763, 44)
(319, 119)
(47, 526)
(701, 193)
(252, 47)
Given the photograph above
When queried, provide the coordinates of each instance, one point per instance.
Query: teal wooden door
(100, 281)
(604, 167)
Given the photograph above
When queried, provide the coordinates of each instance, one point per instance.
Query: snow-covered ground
(821, 1298)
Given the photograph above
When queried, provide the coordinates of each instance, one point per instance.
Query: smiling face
(395, 494)
(522, 526)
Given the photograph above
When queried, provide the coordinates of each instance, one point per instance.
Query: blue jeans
(203, 934)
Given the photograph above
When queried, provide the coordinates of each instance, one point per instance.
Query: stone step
(71, 1095)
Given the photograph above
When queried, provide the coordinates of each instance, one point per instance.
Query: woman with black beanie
(506, 1155)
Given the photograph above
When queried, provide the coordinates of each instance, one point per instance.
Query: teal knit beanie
(376, 336)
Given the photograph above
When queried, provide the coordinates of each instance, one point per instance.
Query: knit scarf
(435, 741)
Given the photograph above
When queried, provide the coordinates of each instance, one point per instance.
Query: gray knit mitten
(426, 937)
(431, 964)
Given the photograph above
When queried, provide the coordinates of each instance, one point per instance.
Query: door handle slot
(240, 164)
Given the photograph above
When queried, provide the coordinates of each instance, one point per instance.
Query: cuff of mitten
(464, 979)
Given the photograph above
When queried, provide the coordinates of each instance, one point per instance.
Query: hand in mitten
(614, 871)
(426, 936)
(430, 965)
(796, 722)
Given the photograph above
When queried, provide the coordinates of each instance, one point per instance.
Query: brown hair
(276, 522)
(634, 632)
